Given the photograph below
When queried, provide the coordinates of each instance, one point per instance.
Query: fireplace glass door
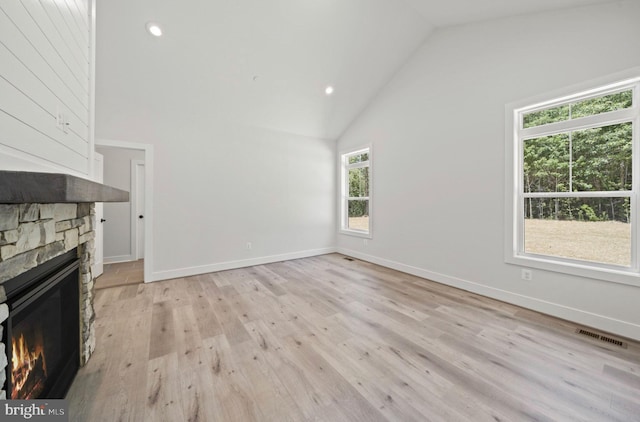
(43, 326)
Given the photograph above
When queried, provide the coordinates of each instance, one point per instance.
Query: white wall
(438, 134)
(220, 185)
(117, 228)
(45, 56)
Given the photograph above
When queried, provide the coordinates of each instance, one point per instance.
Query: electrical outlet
(248, 245)
(526, 275)
(365, 242)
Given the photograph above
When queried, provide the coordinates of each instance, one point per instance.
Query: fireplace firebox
(42, 332)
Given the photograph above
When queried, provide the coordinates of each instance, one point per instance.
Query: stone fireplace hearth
(34, 231)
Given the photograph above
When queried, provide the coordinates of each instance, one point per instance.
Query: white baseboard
(230, 265)
(601, 322)
(119, 258)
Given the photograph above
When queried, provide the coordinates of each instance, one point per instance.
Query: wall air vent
(601, 337)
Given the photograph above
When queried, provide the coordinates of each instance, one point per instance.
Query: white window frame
(515, 193)
(344, 190)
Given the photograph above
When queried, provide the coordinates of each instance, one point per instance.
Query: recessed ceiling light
(154, 29)
(328, 90)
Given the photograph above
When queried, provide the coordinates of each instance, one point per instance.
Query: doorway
(127, 226)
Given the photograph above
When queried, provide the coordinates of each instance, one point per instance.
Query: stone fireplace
(43, 217)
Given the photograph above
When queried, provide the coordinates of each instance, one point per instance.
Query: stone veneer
(31, 234)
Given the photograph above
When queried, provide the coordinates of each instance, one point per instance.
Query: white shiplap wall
(45, 56)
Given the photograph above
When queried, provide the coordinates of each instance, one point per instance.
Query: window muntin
(356, 192)
(575, 184)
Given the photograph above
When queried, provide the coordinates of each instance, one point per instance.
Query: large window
(356, 192)
(575, 170)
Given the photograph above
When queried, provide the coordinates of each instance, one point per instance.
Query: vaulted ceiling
(266, 63)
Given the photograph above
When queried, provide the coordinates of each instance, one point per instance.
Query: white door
(139, 206)
(98, 176)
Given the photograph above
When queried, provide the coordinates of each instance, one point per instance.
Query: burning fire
(28, 369)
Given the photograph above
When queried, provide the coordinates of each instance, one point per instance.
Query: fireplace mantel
(18, 187)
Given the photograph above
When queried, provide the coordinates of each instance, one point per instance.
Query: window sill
(612, 274)
(356, 233)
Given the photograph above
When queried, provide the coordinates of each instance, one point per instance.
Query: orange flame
(23, 361)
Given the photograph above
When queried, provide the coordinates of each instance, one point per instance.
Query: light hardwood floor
(327, 339)
(121, 274)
